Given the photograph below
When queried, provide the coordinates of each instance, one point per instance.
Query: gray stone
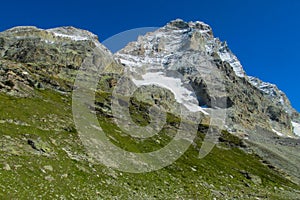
(48, 167)
(6, 167)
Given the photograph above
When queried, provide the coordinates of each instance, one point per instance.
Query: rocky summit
(180, 68)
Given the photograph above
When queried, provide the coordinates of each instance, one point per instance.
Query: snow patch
(182, 94)
(48, 41)
(233, 61)
(72, 37)
(296, 128)
(278, 133)
(273, 93)
(267, 88)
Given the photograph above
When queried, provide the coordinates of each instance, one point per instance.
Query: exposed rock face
(188, 47)
(30, 56)
(33, 55)
(255, 109)
(32, 45)
(277, 96)
(34, 58)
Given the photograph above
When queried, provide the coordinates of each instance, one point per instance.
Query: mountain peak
(172, 40)
(181, 24)
(163, 49)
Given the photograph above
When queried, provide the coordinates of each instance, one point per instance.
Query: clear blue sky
(263, 34)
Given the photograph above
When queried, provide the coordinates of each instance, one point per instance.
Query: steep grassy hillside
(42, 158)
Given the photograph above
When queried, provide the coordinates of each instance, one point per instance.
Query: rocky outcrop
(255, 110)
(36, 58)
(189, 48)
(277, 96)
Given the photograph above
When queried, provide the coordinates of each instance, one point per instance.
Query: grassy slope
(46, 119)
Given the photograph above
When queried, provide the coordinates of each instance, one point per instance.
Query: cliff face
(36, 58)
(189, 48)
(255, 110)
